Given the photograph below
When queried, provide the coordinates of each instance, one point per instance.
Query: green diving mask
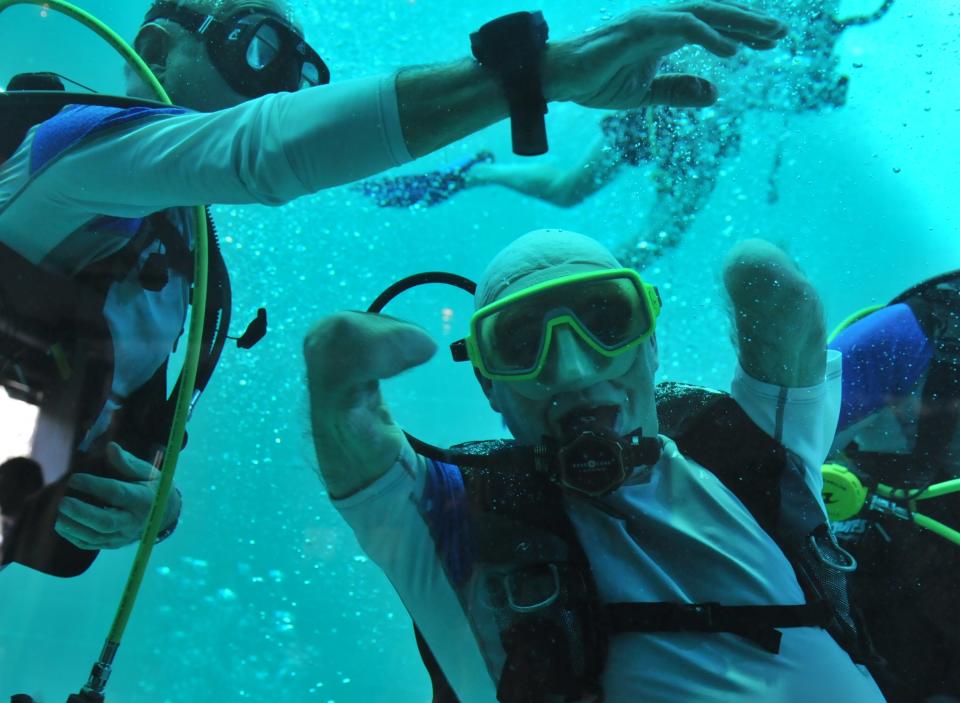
(611, 310)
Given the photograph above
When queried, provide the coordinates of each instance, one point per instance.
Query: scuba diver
(891, 485)
(628, 544)
(93, 198)
(688, 149)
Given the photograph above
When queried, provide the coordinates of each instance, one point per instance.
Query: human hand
(778, 314)
(347, 354)
(615, 66)
(113, 512)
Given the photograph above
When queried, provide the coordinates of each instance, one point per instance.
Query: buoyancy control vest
(56, 349)
(546, 627)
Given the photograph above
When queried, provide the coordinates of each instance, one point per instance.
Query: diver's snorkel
(187, 396)
(846, 497)
(592, 463)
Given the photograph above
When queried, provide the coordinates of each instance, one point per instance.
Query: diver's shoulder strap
(442, 690)
(544, 613)
(702, 422)
(769, 482)
(37, 97)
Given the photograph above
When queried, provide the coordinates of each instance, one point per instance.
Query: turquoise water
(263, 594)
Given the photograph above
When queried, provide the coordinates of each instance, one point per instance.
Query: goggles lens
(277, 58)
(612, 311)
(310, 75)
(264, 48)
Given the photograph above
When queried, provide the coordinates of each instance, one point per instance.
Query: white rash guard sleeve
(393, 531)
(269, 150)
(803, 420)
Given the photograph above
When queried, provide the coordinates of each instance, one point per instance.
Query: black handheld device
(512, 47)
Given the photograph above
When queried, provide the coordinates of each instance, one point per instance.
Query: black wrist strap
(512, 47)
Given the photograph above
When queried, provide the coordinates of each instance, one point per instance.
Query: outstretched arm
(613, 67)
(347, 355)
(780, 328)
(283, 146)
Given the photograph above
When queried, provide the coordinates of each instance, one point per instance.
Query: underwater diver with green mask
(892, 484)
(608, 552)
(257, 125)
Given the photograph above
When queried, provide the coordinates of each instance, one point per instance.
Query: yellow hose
(937, 528)
(911, 496)
(850, 319)
(934, 491)
(194, 339)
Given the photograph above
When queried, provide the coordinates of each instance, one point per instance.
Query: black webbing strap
(756, 623)
(157, 227)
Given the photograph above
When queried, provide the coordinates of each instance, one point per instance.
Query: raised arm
(282, 146)
(613, 67)
(780, 328)
(347, 354)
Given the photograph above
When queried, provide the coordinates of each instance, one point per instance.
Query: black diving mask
(256, 51)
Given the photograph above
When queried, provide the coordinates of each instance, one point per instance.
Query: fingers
(351, 349)
(90, 527)
(113, 492)
(113, 511)
(129, 466)
(757, 43)
(738, 20)
(682, 90)
(722, 27)
(692, 30)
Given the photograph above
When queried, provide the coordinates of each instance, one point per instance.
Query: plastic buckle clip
(509, 589)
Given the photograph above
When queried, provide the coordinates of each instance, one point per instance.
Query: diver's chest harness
(53, 327)
(550, 628)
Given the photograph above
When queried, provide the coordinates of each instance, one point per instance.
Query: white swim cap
(539, 256)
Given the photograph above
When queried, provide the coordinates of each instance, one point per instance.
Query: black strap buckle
(521, 603)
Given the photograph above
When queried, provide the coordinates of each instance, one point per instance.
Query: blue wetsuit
(884, 355)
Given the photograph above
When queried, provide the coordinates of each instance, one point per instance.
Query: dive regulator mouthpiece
(512, 47)
(595, 464)
(843, 493)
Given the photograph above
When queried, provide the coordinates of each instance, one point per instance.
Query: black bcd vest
(54, 337)
(559, 651)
